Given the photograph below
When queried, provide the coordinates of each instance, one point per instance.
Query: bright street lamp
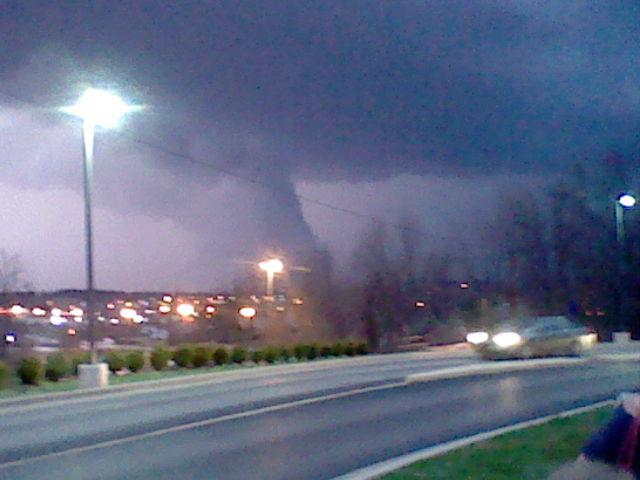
(271, 266)
(627, 200)
(104, 109)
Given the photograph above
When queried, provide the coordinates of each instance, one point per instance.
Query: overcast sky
(380, 107)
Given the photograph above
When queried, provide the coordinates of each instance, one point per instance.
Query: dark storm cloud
(357, 90)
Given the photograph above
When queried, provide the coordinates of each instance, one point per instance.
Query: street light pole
(88, 135)
(624, 201)
(271, 267)
(270, 276)
(96, 108)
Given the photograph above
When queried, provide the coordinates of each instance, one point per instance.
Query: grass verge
(530, 454)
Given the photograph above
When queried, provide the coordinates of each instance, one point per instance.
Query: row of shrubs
(31, 370)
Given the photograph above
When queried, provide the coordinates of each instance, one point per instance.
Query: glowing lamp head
(272, 265)
(626, 200)
(76, 312)
(38, 312)
(247, 312)
(167, 298)
(10, 338)
(210, 309)
(100, 107)
(186, 310)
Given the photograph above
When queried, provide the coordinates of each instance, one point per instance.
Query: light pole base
(93, 375)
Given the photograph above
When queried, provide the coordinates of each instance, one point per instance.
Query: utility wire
(254, 181)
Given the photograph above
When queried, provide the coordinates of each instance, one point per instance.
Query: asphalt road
(232, 429)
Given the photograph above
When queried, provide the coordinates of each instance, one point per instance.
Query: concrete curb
(388, 466)
(248, 373)
(491, 368)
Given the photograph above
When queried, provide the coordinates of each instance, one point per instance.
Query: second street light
(271, 267)
(623, 202)
(96, 108)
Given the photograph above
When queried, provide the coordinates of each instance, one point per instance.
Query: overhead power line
(222, 170)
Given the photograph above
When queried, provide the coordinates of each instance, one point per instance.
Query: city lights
(247, 312)
(76, 312)
(167, 299)
(186, 310)
(128, 313)
(164, 308)
(17, 309)
(210, 309)
(38, 312)
(10, 338)
(420, 304)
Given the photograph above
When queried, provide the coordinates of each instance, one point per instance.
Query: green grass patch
(530, 454)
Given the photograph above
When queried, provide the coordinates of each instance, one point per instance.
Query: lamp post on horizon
(271, 267)
(624, 202)
(96, 108)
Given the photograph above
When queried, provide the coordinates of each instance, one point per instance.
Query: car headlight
(477, 337)
(507, 339)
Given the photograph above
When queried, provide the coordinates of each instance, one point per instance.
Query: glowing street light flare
(210, 309)
(626, 200)
(10, 338)
(56, 312)
(77, 319)
(167, 299)
(186, 310)
(273, 265)
(101, 107)
(72, 331)
(76, 312)
(114, 321)
(38, 312)
(247, 312)
(111, 306)
(420, 304)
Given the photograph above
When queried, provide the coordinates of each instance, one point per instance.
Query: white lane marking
(202, 423)
(376, 470)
